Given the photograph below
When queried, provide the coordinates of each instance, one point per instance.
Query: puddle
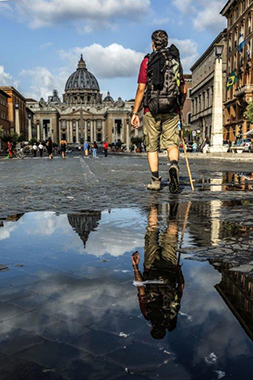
(72, 303)
(227, 181)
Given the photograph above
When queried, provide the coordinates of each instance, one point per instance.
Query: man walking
(105, 148)
(161, 84)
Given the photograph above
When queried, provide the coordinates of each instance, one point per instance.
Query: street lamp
(218, 51)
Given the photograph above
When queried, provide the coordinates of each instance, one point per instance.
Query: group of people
(50, 148)
(94, 149)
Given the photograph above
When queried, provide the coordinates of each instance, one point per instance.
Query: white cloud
(209, 17)
(41, 82)
(44, 13)
(205, 15)
(113, 61)
(46, 45)
(5, 78)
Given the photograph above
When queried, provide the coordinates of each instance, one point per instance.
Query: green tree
(248, 114)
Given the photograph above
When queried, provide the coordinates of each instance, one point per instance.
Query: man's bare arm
(135, 121)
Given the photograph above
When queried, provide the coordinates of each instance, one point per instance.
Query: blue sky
(44, 39)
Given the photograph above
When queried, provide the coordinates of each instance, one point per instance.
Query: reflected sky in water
(70, 281)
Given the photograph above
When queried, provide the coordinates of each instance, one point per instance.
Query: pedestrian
(206, 145)
(95, 150)
(35, 150)
(105, 148)
(41, 147)
(10, 147)
(163, 100)
(79, 149)
(63, 145)
(194, 147)
(49, 145)
(86, 149)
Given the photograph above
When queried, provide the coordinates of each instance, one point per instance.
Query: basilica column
(95, 130)
(91, 132)
(103, 130)
(38, 131)
(29, 127)
(77, 131)
(71, 132)
(86, 131)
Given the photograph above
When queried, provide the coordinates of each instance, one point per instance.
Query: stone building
(16, 111)
(4, 121)
(239, 66)
(83, 114)
(186, 112)
(203, 87)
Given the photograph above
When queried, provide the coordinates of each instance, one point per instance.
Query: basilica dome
(82, 79)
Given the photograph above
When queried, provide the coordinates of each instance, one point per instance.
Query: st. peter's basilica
(83, 114)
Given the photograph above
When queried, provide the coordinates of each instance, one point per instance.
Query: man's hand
(135, 258)
(135, 121)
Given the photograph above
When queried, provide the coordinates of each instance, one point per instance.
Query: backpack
(164, 79)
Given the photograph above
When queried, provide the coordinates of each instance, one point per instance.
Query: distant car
(243, 145)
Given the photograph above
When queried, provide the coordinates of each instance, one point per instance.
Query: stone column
(38, 131)
(94, 130)
(43, 132)
(29, 128)
(103, 131)
(85, 131)
(77, 131)
(128, 135)
(217, 111)
(71, 132)
(17, 120)
(91, 132)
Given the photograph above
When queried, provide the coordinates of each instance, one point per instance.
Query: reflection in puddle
(237, 291)
(228, 181)
(68, 304)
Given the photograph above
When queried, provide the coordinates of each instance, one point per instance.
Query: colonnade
(79, 130)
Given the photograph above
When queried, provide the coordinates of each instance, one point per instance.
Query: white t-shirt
(40, 146)
(35, 147)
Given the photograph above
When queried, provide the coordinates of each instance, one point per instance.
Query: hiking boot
(174, 179)
(155, 183)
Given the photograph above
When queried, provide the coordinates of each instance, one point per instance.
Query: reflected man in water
(160, 287)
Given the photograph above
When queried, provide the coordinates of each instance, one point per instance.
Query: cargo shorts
(161, 131)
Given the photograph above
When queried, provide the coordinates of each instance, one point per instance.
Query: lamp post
(217, 111)
(127, 135)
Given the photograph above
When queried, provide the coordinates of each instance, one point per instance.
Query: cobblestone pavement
(77, 184)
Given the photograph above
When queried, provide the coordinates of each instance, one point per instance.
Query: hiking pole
(185, 153)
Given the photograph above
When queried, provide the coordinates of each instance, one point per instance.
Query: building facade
(4, 121)
(202, 92)
(239, 66)
(83, 115)
(16, 111)
(186, 112)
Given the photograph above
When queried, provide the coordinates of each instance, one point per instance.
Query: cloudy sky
(41, 40)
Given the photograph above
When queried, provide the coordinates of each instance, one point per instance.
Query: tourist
(10, 147)
(106, 148)
(63, 145)
(49, 145)
(160, 297)
(41, 147)
(35, 150)
(162, 103)
(86, 149)
(79, 149)
(95, 150)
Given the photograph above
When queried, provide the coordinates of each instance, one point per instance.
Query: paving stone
(16, 340)
(10, 293)
(8, 311)
(100, 342)
(30, 321)
(51, 355)
(92, 368)
(138, 356)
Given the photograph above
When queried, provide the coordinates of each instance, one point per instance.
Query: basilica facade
(83, 115)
